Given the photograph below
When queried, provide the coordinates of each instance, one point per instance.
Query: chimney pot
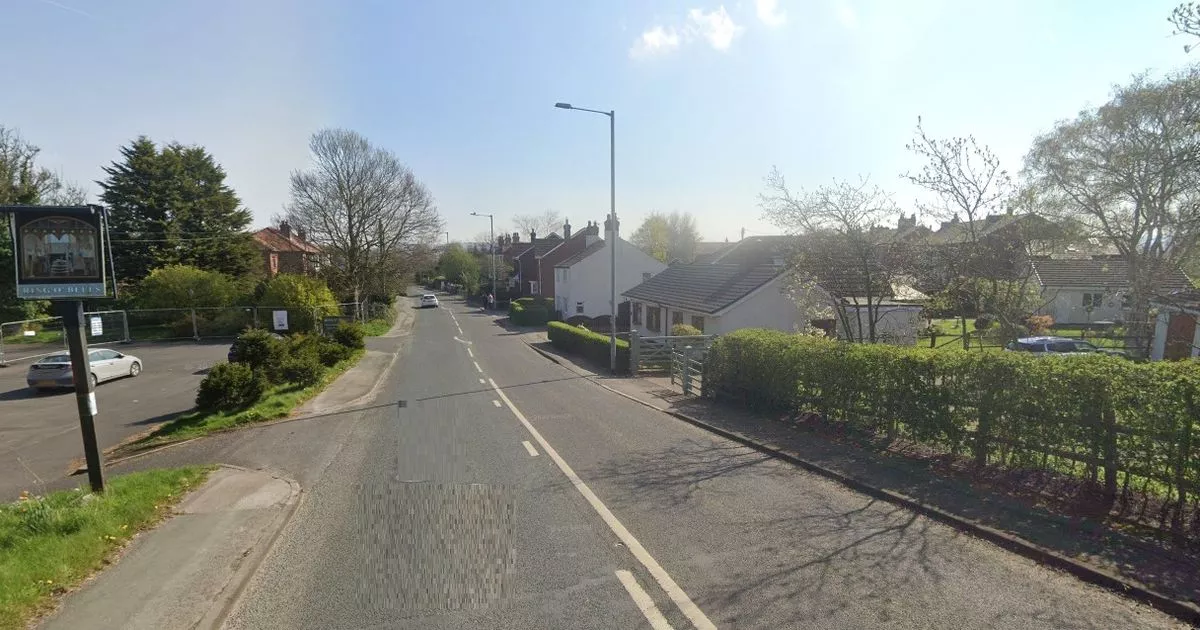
(532, 236)
(285, 229)
(566, 230)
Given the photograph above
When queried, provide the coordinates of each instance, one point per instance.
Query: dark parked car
(1060, 345)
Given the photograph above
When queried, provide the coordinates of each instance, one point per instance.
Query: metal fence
(33, 338)
(687, 367)
(654, 354)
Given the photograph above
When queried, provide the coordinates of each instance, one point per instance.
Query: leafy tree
(305, 297)
(171, 206)
(1128, 173)
(177, 286)
(23, 182)
(668, 237)
(457, 265)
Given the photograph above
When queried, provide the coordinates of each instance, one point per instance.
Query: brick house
(526, 259)
(285, 251)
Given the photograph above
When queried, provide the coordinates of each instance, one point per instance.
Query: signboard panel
(59, 252)
(330, 324)
(97, 326)
(280, 319)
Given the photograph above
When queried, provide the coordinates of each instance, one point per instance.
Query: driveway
(39, 433)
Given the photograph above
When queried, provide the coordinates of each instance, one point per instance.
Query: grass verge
(278, 402)
(377, 327)
(50, 544)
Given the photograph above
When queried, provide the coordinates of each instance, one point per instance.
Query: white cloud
(845, 14)
(769, 13)
(657, 40)
(715, 26)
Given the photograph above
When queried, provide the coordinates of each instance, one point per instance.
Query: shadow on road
(25, 393)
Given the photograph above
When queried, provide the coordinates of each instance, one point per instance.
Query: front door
(1180, 332)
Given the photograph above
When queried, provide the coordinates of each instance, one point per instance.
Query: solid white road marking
(477, 367)
(643, 601)
(529, 447)
(471, 354)
(496, 402)
(664, 579)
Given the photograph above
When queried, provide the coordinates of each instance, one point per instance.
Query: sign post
(59, 253)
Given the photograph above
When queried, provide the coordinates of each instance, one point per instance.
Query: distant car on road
(1061, 345)
(232, 355)
(54, 371)
(429, 300)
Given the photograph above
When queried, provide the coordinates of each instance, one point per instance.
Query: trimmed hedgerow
(590, 345)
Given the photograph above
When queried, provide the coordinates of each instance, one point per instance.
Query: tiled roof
(707, 252)
(581, 254)
(1097, 272)
(541, 246)
(274, 240)
(704, 288)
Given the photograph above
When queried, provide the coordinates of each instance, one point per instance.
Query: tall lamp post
(612, 205)
(491, 245)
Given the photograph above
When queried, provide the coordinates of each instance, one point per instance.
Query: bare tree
(364, 208)
(969, 185)
(1186, 18)
(1128, 172)
(844, 257)
(542, 223)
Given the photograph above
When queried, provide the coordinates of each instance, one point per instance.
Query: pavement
(184, 573)
(39, 433)
(511, 492)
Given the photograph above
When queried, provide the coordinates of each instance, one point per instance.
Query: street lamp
(491, 246)
(612, 201)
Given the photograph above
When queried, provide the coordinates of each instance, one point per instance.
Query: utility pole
(71, 313)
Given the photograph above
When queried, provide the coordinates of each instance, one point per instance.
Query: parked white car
(54, 371)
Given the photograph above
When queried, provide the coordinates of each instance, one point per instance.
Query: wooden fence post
(635, 352)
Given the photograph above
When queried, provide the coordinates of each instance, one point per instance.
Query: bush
(590, 345)
(530, 311)
(330, 353)
(307, 299)
(259, 350)
(303, 369)
(684, 330)
(349, 335)
(984, 322)
(230, 386)
(181, 286)
(1088, 416)
(1040, 324)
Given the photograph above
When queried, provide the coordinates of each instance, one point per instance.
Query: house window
(637, 313)
(698, 322)
(274, 263)
(646, 275)
(579, 308)
(654, 318)
(1092, 300)
(676, 318)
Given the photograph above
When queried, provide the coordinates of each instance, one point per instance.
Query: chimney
(567, 229)
(611, 228)
(285, 229)
(516, 237)
(302, 235)
(532, 236)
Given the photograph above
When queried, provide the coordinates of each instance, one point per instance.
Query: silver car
(54, 371)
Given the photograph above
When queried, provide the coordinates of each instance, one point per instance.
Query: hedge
(590, 345)
(1103, 419)
(530, 311)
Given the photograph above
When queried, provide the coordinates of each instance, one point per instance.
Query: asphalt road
(39, 433)
(440, 515)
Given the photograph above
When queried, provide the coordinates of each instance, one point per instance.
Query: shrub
(590, 345)
(685, 330)
(530, 311)
(349, 335)
(181, 286)
(984, 322)
(1039, 324)
(330, 353)
(1089, 416)
(230, 386)
(259, 350)
(306, 298)
(303, 369)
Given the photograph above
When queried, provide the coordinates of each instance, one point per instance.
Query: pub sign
(59, 252)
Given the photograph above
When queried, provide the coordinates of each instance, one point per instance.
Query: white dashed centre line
(643, 601)
(664, 579)
(477, 367)
(529, 447)
(471, 354)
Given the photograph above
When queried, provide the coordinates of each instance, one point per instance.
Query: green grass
(43, 336)
(50, 544)
(377, 327)
(278, 402)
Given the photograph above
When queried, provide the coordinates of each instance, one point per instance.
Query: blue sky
(709, 95)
